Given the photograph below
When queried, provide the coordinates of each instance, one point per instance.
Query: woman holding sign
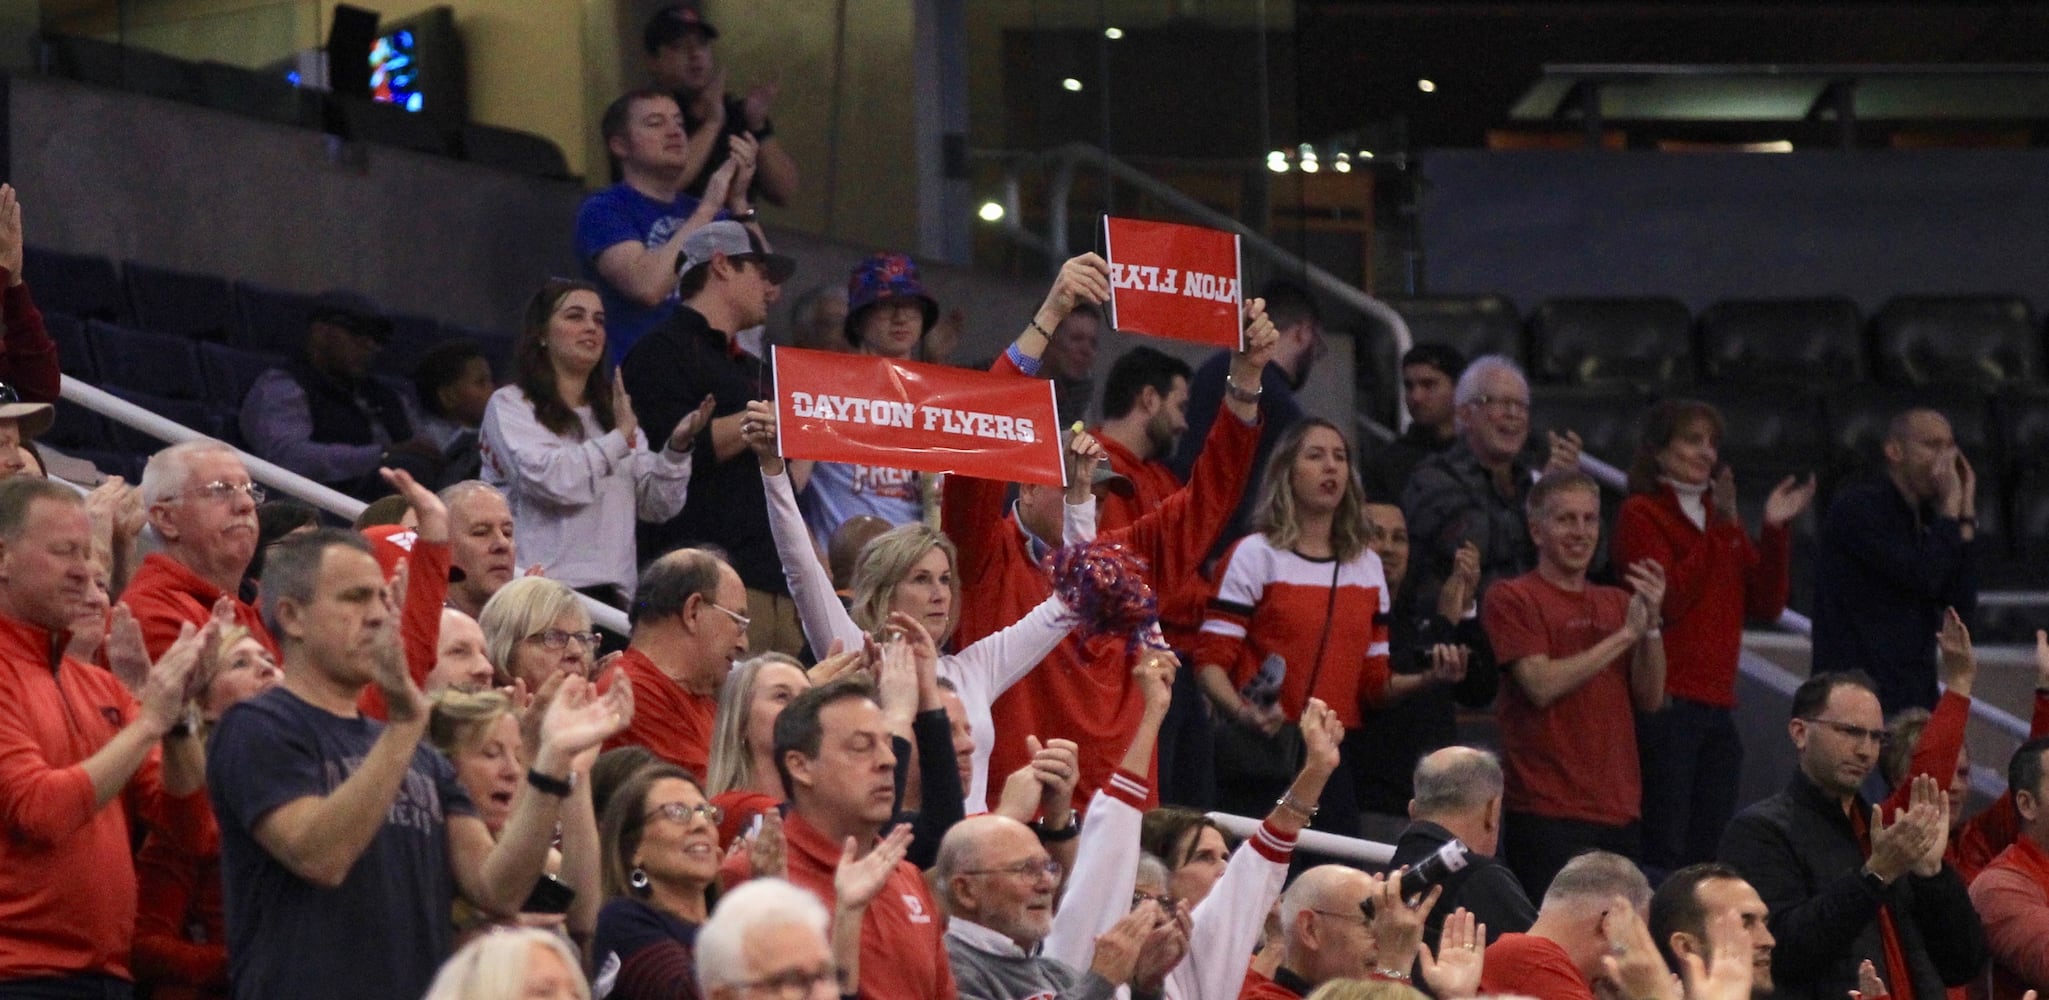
(1271, 640)
(564, 445)
(910, 569)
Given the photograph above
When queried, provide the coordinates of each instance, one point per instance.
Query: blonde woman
(479, 733)
(535, 628)
(742, 779)
(910, 570)
(511, 964)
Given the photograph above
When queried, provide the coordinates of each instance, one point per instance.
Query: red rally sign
(1170, 280)
(903, 414)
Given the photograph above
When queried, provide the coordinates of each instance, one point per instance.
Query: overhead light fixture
(1113, 34)
(1308, 166)
(1426, 86)
(1071, 85)
(1342, 166)
(1277, 162)
(991, 212)
(1365, 154)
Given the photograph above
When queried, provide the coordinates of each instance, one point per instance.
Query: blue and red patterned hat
(882, 277)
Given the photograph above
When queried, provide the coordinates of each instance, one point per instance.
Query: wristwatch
(549, 785)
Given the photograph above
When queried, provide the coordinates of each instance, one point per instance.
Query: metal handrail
(1062, 160)
(1370, 852)
(269, 474)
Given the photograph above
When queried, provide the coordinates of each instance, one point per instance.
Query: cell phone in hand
(550, 895)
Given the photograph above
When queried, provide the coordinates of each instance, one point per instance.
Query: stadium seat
(411, 337)
(190, 413)
(81, 285)
(111, 463)
(86, 60)
(2029, 524)
(1805, 340)
(2024, 425)
(199, 306)
(1769, 432)
(512, 150)
(270, 319)
(76, 427)
(74, 351)
(1917, 340)
(268, 96)
(230, 371)
(161, 364)
(1643, 342)
(1605, 417)
(1859, 414)
(1475, 324)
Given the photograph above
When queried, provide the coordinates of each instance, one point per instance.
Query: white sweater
(573, 501)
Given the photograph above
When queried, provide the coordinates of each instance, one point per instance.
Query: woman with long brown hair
(1681, 514)
(563, 443)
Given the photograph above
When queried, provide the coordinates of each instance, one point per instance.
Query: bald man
(1582, 921)
(1458, 795)
(1328, 935)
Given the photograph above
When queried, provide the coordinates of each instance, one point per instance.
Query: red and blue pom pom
(1104, 585)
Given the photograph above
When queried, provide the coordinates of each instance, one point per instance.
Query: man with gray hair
(482, 555)
(202, 506)
(687, 632)
(1474, 490)
(766, 938)
(999, 883)
(1458, 796)
(1594, 908)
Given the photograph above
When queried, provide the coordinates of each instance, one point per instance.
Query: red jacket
(165, 594)
(672, 722)
(903, 934)
(1714, 579)
(426, 592)
(1151, 484)
(1085, 694)
(181, 949)
(28, 357)
(1976, 841)
(67, 884)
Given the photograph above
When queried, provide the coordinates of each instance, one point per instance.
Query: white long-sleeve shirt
(981, 672)
(574, 502)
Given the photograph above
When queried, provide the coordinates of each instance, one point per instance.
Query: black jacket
(1799, 851)
(1486, 887)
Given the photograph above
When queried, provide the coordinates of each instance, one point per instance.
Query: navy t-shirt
(386, 929)
(642, 953)
(619, 214)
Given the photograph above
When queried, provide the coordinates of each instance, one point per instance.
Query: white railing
(1370, 852)
(271, 475)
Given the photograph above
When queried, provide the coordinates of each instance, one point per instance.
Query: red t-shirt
(1575, 759)
(667, 719)
(903, 935)
(1527, 965)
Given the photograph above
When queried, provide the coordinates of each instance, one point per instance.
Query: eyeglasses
(1167, 902)
(680, 813)
(795, 984)
(1858, 733)
(1502, 404)
(1030, 868)
(8, 395)
(742, 620)
(557, 640)
(218, 491)
(1362, 917)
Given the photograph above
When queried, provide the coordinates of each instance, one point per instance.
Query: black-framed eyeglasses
(1858, 733)
(1030, 868)
(556, 639)
(681, 813)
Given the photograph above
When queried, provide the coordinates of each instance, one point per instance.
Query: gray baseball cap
(732, 239)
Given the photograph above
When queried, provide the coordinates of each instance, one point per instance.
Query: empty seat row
(210, 308)
(272, 97)
(1655, 342)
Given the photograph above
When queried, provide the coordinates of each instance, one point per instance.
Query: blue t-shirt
(619, 214)
(386, 929)
(839, 490)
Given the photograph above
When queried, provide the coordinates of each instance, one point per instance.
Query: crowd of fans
(855, 742)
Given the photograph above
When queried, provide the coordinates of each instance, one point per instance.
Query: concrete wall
(133, 177)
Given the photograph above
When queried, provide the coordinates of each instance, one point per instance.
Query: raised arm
(647, 274)
(824, 618)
